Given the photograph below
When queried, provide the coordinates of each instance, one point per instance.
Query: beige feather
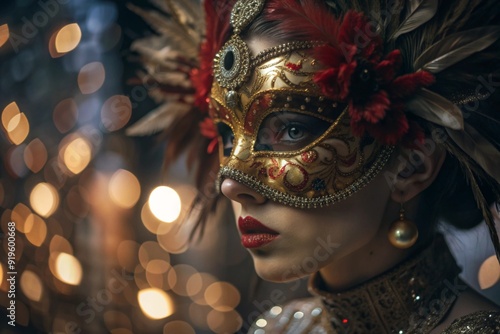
(158, 119)
(436, 109)
(420, 11)
(456, 48)
(478, 149)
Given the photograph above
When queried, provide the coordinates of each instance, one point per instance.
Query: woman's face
(293, 242)
(287, 242)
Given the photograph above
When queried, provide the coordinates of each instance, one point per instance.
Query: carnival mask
(279, 134)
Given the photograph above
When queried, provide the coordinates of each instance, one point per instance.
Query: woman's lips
(254, 234)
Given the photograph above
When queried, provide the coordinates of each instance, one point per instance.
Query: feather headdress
(434, 65)
(178, 64)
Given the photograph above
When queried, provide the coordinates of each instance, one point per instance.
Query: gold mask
(291, 144)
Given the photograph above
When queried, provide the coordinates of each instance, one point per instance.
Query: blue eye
(295, 132)
(289, 131)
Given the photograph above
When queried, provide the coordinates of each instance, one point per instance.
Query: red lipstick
(254, 234)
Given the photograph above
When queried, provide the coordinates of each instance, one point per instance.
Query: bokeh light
(196, 286)
(68, 38)
(165, 204)
(4, 34)
(124, 189)
(150, 251)
(157, 274)
(44, 199)
(31, 285)
(489, 273)
(222, 296)
(35, 155)
(224, 322)
(182, 274)
(15, 123)
(59, 244)
(155, 303)
(91, 77)
(68, 269)
(76, 154)
(20, 215)
(38, 230)
(116, 112)
(178, 327)
(65, 115)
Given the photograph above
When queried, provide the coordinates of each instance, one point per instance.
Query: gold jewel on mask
(403, 233)
(232, 62)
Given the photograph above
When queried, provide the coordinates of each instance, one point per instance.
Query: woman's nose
(240, 193)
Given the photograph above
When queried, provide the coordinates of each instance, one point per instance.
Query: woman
(346, 131)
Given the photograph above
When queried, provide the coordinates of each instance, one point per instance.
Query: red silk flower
(358, 75)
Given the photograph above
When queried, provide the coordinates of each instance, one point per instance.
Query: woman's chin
(275, 271)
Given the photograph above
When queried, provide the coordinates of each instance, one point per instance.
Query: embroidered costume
(412, 298)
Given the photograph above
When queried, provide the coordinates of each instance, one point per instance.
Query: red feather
(217, 30)
(304, 19)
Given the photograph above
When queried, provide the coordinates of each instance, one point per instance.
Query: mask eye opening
(227, 138)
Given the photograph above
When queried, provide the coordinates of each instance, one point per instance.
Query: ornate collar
(416, 295)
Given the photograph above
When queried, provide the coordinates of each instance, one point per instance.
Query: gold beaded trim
(244, 12)
(302, 202)
(281, 49)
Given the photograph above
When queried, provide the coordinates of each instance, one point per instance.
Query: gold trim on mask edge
(302, 202)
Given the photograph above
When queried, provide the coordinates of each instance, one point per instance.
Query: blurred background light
(91, 77)
(124, 189)
(116, 112)
(222, 296)
(20, 214)
(35, 155)
(224, 322)
(178, 327)
(38, 231)
(4, 34)
(155, 303)
(68, 38)
(31, 285)
(68, 269)
(9, 112)
(165, 204)
(489, 273)
(76, 154)
(65, 115)
(15, 123)
(44, 199)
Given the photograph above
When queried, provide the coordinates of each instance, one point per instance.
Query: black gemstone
(229, 60)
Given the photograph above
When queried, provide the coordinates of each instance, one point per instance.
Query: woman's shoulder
(297, 316)
(482, 322)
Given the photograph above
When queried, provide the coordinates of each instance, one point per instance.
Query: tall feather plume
(178, 62)
(455, 48)
(479, 149)
(471, 172)
(455, 12)
(178, 37)
(419, 12)
(307, 19)
(436, 109)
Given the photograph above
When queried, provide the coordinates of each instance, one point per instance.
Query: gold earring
(403, 233)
